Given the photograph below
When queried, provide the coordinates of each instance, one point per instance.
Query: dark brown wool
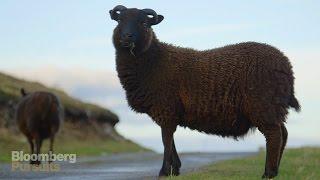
(224, 91)
(221, 91)
(39, 116)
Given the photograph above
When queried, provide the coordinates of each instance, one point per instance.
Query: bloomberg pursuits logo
(21, 161)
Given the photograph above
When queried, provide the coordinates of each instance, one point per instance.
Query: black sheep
(224, 91)
(39, 116)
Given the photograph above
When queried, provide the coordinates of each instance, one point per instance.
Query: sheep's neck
(137, 75)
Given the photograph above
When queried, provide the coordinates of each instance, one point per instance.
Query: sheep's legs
(176, 159)
(168, 168)
(38, 147)
(274, 143)
(284, 134)
(51, 147)
(31, 146)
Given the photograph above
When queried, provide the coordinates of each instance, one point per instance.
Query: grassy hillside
(10, 90)
(80, 139)
(301, 163)
(88, 129)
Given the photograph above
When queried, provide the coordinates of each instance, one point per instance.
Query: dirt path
(120, 166)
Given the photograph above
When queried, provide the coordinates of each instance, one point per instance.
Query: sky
(67, 44)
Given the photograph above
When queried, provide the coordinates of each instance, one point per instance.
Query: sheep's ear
(160, 18)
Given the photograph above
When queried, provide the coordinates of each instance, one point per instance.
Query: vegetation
(83, 137)
(301, 163)
(10, 90)
(69, 140)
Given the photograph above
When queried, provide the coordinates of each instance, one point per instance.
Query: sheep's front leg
(167, 138)
(274, 143)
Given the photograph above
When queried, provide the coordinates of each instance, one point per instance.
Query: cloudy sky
(67, 44)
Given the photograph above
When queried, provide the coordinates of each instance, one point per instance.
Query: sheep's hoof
(171, 171)
(269, 175)
(35, 162)
(162, 173)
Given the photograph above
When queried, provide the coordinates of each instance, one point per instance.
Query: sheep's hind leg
(284, 134)
(274, 144)
(38, 147)
(167, 139)
(176, 160)
(31, 147)
(51, 147)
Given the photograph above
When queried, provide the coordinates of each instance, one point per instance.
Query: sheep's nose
(127, 36)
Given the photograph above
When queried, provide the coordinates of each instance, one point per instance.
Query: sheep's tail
(294, 103)
(23, 92)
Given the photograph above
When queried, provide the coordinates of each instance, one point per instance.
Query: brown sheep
(39, 116)
(224, 91)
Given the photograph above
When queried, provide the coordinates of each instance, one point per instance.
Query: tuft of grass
(300, 163)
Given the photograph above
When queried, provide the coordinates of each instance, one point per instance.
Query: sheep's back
(39, 112)
(219, 83)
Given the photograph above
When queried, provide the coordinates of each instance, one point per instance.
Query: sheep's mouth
(129, 45)
(125, 44)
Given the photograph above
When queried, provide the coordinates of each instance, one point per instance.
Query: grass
(75, 137)
(301, 163)
(83, 144)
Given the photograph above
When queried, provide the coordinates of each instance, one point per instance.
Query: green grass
(82, 149)
(84, 139)
(81, 144)
(301, 163)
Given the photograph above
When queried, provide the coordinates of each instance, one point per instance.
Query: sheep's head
(134, 32)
